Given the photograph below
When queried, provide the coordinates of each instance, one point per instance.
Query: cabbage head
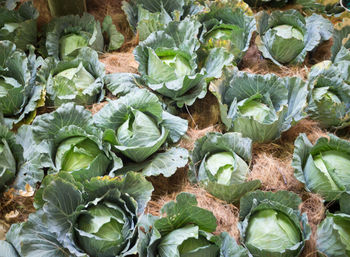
(100, 220)
(272, 225)
(329, 99)
(80, 80)
(148, 16)
(69, 142)
(137, 127)
(20, 95)
(227, 25)
(68, 33)
(333, 235)
(285, 37)
(323, 167)
(260, 107)
(220, 163)
(169, 64)
(19, 26)
(184, 230)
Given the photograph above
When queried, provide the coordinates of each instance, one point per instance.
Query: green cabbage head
(272, 225)
(80, 80)
(19, 94)
(260, 107)
(69, 142)
(333, 235)
(103, 227)
(323, 167)
(271, 230)
(228, 25)
(285, 37)
(220, 163)
(329, 99)
(97, 217)
(69, 43)
(77, 153)
(137, 126)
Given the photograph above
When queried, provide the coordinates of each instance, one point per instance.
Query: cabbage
(80, 80)
(180, 65)
(97, 217)
(271, 230)
(70, 142)
(323, 167)
(272, 225)
(228, 25)
(20, 95)
(220, 164)
(76, 153)
(333, 235)
(258, 111)
(260, 107)
(285, 37)
(103, 225)
(137, 127)
(170, 66)
(71, 42)
(329, 99)
(184, 230)
(282, 38)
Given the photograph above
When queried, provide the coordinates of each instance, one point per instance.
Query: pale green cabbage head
(257, 110)
(323, 167)
(101, 229)
(221, 165)
(71, 42)
(333, 235)
(73, 82)
(180, 65)
(76, 153)
(282, 38)
(271, 230)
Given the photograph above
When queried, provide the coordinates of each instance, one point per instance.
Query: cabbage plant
(323, 167)
(272, 225)
(220, 163)
(329, 98)
(19, 26)
(20, 95)
(184, 230)
(68, 141)
(227, 25)
(333, 235)
(66, 34)
(80, 80)
(138, 128)
(260, 107)
(100, 220)
(285, 37)
(149, 16)
(168, 63)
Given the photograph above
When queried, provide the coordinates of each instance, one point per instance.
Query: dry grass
(14, 208)
(120, 62)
